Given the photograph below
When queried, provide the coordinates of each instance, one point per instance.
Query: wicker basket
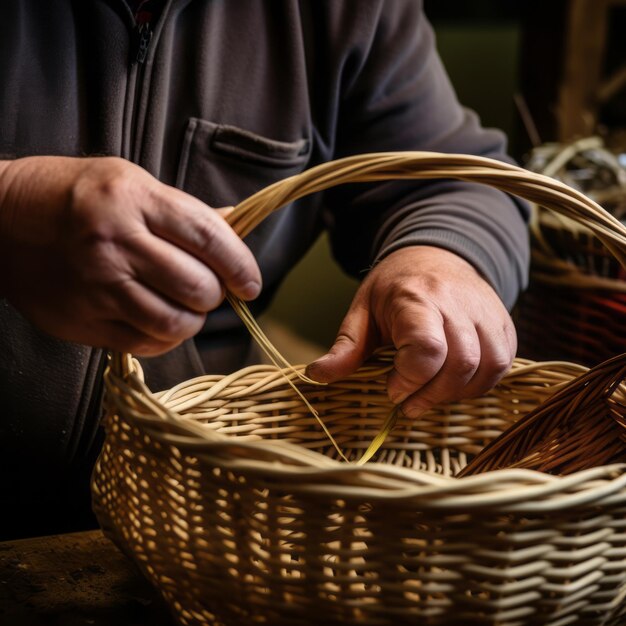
(228, 495)
(576, 287)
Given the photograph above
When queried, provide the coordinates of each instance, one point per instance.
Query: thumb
(354, 343)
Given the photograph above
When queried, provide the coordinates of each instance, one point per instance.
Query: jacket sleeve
(396, 95)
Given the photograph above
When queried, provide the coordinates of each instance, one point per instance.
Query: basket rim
(297, 470)
(365, 168)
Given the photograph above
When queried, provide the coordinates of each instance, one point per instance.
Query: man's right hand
(99, 252)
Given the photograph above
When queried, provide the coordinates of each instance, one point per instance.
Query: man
(119, 131)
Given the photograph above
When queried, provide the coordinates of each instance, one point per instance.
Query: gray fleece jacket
(223, 99)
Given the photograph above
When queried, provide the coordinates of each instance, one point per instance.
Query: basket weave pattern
(230, 498)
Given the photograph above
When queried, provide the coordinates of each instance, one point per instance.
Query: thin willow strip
(277, 358)
(537, 188)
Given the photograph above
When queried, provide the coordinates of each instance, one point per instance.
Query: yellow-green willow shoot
(381, 437)
(278, 359)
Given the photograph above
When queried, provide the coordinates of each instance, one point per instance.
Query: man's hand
(99, 252)
(454, 337)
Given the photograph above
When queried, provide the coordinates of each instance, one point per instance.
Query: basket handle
(514, 180)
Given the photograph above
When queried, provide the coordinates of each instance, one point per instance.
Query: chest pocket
(222, 165)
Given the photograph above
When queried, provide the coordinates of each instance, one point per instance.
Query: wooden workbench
(77, 579)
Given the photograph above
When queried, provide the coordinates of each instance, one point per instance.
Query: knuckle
(171, 324)
(465, 365)
(501, 363)
(241, 272)
(203, 289)
(89, 224)
(411, 374)
(99, 201)
(399, 388)
(494, 370)
(420, 362)
(430, 346)
(103, 264)
(496, 367)
(345, 337)
(113, 181)
(204, 232)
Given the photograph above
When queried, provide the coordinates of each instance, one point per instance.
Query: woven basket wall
(576, 297)
(228, 495)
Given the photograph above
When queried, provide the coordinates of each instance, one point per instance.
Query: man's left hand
(453, 335)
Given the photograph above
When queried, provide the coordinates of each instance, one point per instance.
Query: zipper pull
(143, 36)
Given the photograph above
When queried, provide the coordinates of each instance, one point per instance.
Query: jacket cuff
(493, 270)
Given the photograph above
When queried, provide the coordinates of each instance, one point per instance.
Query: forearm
(29, 186)
(404, 101)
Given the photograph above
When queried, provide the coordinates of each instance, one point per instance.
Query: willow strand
(536, 188)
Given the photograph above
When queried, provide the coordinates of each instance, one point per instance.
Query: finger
(354, 343)
(173, 273)
(462, 362)
(122, 337)
(495, 361)
(190, 224)
(418, 334)
(143, 309)
(511, 335)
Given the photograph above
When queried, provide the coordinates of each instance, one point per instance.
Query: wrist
(16, 185)
(9, 193)
(5, 177)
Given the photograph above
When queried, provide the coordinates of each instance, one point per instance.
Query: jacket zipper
(142, 37)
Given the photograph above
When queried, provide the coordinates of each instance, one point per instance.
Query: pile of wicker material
(576, 300)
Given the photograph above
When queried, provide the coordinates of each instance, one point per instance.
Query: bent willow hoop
(508, 509)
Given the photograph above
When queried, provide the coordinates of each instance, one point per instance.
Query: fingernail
(313, 368)
(321, 360)
(316, 364)
(415, 408)
(398, 397)
(250, 290)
